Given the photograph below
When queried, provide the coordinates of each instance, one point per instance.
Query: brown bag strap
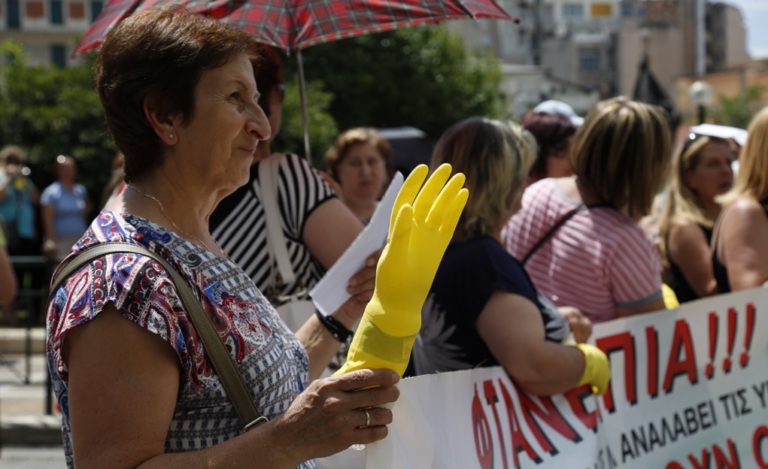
(222, 361)
(551, 232)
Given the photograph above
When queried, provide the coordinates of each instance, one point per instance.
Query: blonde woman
(701, 172)
(740, 245)
(483, 309)
(578, 236)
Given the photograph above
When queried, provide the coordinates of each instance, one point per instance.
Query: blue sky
(756, 18)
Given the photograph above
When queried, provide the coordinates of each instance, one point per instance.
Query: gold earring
(171, 136)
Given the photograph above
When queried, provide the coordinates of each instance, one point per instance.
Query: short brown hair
(349, 138)
(158, 55)
(269, 75)
(495, 156)
(553, 134)
(622, 153)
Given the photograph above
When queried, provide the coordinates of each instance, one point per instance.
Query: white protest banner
(689, 390)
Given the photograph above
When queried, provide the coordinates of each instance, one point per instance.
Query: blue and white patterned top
(272, 361)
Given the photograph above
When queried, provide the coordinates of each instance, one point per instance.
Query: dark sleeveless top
(721, 273)
(677, 281)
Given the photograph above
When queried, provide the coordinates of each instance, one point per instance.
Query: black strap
(548, 235)
(222, 361)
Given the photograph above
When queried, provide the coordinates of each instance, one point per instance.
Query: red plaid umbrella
(296, 24)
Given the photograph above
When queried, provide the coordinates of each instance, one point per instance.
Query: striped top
(239, 225)
(597, 261)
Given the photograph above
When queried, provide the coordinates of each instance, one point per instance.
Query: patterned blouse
(272, 361)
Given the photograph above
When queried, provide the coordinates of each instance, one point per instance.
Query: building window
(56, 11)
(602, 10)
(96, 7)
(573, 10)
(59, 55)
(589, 59)
(13, 14)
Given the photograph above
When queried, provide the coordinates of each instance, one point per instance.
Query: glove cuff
(589, 363)
(373, 348)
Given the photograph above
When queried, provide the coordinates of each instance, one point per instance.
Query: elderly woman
(701, 172)
(316, 226)
(740, 246)
(483, 309)
(135, 384)
(359, 165)
(578, 236)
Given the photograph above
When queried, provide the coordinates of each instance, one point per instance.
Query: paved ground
(32, 458)
(28, 437)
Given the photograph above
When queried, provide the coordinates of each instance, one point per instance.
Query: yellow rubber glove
(670, 298)
(597, 368)
(422, 224)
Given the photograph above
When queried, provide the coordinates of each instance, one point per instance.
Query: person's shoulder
(51, 190)
(685, 228)
(746, 208)
(482, 252)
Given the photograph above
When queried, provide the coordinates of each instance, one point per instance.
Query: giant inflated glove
(597, 368)
(421, 226)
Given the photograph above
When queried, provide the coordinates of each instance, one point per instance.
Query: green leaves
(423, 77)
(49, 111)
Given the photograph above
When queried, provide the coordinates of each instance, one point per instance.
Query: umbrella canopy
(296, 24)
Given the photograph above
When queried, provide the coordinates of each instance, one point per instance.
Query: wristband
(336, 328)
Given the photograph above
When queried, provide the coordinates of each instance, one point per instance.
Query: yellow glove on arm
(421, 226)
(597, 368)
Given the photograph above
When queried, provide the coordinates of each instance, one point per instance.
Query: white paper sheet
(331, 291)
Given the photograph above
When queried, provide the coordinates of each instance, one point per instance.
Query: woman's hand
(580, 325)
(360, 287)
(334, 413)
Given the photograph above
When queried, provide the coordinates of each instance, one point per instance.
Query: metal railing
(28, 311)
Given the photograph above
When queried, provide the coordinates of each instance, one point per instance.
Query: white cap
(721, 131)
(561, 109)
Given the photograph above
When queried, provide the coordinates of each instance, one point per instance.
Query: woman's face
(227, 125)
(712, 176)
(362, 173)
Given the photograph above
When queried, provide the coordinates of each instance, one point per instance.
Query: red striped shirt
(597, 261)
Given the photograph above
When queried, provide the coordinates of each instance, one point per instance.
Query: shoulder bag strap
(552, 232)
(222, 361)
(268, 179)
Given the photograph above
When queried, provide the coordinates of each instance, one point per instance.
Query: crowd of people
(569, 221)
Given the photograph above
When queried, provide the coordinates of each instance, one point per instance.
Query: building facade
(47, 28)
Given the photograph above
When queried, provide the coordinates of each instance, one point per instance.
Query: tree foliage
(50, 111)
(738, 110)
(422, 77)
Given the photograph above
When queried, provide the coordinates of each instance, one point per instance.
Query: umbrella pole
(303, 98)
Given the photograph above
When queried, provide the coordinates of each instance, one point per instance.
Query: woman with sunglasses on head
(578, 236)
(701, 173)
(740, 238)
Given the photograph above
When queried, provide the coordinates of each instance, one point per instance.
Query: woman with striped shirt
(578, 236)
(317, 226)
